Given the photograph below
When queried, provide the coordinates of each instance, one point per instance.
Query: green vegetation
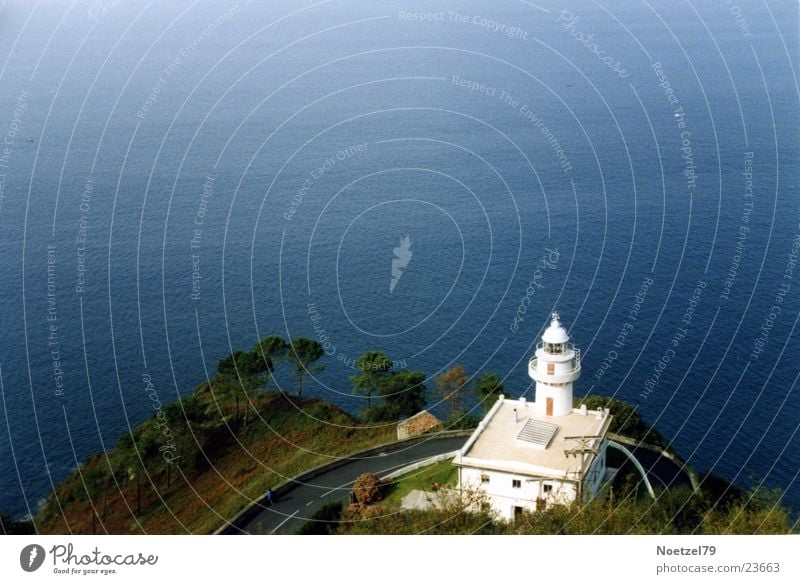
(270, 351)
(448, 517)
(626, 420)
(325, 521)
(371, 497)
(452, 385)
(374, 368)
(302, 354)
(443, 474)
(678, 511)
(403, 394)
(253, 367)
(488, 388)
(207, 455)
(716, 508)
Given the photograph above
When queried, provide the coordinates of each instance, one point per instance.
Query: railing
(533, 364)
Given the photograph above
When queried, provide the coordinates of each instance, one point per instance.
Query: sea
(429, 178)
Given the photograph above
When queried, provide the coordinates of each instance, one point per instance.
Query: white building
(523, 455)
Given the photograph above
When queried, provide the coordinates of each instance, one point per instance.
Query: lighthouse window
(551, 368)
(516, 483)
(554, 348)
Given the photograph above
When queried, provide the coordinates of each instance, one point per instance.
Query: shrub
(368, 489)
(324, 521)
(358, 512)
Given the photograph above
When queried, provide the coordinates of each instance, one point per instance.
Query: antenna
(583, 445)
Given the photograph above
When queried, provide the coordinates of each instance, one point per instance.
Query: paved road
(295, 506)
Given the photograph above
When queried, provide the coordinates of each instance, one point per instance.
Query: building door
(517, 513)
(549, 406)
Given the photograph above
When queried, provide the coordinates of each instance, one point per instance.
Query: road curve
(298, 503)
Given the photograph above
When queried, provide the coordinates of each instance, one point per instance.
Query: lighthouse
(526, 456)
(554, 368)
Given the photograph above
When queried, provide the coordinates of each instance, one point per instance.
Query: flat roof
(494, 445)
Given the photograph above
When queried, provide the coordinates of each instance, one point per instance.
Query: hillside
(222, 453)
(678, 511)
(203, 458)
(717, 507)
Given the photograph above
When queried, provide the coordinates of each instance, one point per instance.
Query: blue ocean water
(177, 181)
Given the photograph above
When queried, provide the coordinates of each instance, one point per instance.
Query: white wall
(503, 496)
(562, 398)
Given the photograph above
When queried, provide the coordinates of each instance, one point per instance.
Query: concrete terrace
(494, 443)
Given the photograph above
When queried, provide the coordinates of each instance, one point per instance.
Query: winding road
(298, 502)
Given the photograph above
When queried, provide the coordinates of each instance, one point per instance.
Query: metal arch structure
(636, 463)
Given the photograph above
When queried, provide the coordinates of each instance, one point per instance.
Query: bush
(461, 420)
(368, 489)
(360, 513)
(324, 521)
(452, 515)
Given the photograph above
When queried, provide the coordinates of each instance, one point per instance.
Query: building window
(484, 479)
(551, 368)
(516, 483)
(548, 488)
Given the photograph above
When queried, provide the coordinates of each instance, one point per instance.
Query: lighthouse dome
(555, 333)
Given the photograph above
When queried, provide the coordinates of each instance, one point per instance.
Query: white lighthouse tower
(555, 366)
(525, 457)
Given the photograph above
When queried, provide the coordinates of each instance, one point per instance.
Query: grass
(444, 473)
(226, 461)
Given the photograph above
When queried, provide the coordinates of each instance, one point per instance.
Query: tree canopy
(403, 394)
(488, 388)
(240, 364)
(374, 368)
(451, 385)
(303, 352)
(268, 352)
